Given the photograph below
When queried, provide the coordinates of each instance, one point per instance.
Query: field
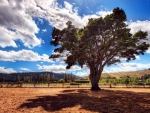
(74, 100)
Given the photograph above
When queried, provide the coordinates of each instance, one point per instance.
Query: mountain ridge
(138, 74)
(33, 75)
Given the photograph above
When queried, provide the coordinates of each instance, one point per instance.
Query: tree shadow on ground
(104, 101)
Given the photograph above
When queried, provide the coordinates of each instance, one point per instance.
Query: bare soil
(74, 100)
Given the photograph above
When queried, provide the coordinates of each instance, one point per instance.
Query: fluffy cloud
(141, 25)
(129, 67)
(23, 55)
(6, 70)
(24, 69)
(57, 15)
(148, 51)
(59, 68)
(103, 13)
(17, 20)
(52, 68)
(44, 30)
(16, 24)
(7, 38)
(82, 73)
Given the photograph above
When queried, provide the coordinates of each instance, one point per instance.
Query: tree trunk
(94, 82)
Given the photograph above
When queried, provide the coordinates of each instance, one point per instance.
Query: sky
(26, 27)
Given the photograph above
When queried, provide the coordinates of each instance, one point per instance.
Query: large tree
(104, 41)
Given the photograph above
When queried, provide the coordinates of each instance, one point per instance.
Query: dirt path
(73, 100)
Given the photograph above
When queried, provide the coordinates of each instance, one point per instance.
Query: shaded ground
(63, 100)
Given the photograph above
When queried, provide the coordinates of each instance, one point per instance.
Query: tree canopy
(104, 41)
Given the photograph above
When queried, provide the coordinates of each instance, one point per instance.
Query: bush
(74, 83)
(61, 81)
(82, 81)
(140, 83)
(147, 83)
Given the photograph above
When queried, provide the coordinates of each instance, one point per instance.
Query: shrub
(61, 81)
(140, 83)
(82, 81)
(147, 83)
(74, 83)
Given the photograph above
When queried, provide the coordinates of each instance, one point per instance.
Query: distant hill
(138, 74)
(11, 77)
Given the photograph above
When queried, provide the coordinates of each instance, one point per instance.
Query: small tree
(61, 80)
(4, 79)
(148, 81)
(48, 79)
(71, 77)
(18, 78)
(65, 77)
(53, 77)
(134, 80)
(104, 41)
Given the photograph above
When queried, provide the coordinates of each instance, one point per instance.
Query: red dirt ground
(73, 100)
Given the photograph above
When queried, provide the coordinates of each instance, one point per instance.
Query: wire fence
(67, 85)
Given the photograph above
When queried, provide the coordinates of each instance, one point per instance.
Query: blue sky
(26, 27)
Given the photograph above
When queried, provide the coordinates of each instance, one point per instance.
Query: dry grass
(138, 74)
(131, 74)
(73, 100)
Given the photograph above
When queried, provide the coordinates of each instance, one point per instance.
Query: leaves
(100, 42)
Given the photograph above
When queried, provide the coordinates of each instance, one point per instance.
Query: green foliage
(108, 80)
(82, 81)
(103, 41)
(48, 78)
(123, 80)
(147, 76)
(65, 77)
(74, 83)
(148, 80)
(53, 77)
(61, 81)
(134, 80)
(140, 83)
(71, 77)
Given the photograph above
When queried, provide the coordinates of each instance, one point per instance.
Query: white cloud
(23, 55)
(62, 58)
(129, 67)
(57, 15)
(44, 30)
(148, 51)
(82, 73)
(52, 68)
(7, 38)
(40, 20)
(141, 25)
(61, 68)
(104, 13)
(24, 69)
(17, 15)
(16, 24)
(137, 57)
(68, 7)
(106, 71)
(6, 70)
